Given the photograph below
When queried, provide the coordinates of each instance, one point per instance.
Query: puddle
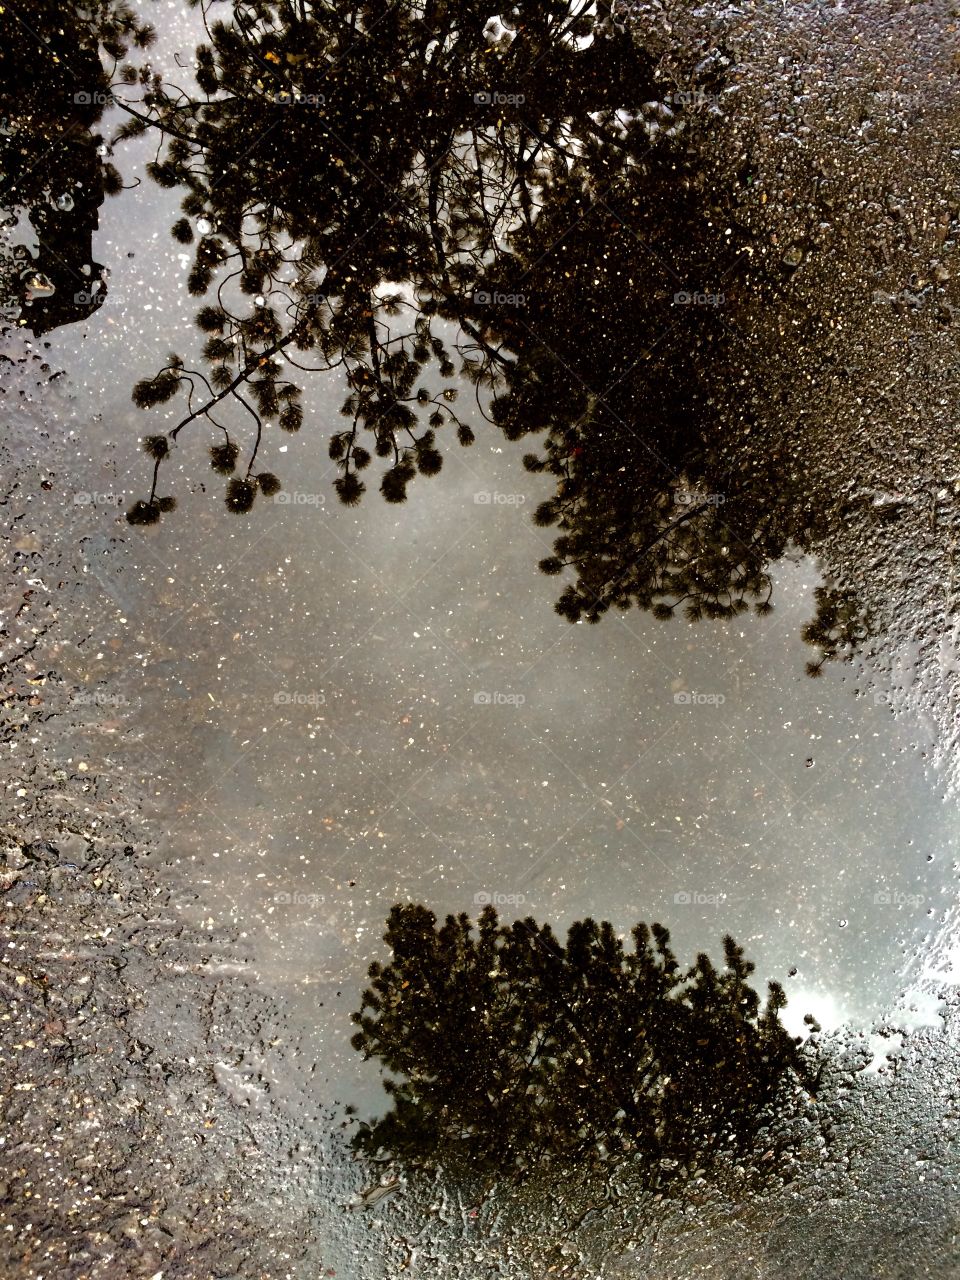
(325, 709)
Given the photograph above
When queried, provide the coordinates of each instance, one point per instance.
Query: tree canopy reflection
(54, 170)
(420, 196)
(508, 1046)
(390, 158)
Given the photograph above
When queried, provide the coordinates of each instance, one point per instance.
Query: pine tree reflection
(508, 1047)
(52, 160)
(414, 194)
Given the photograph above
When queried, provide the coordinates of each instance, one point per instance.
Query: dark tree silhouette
(353, 174)
(509, 1047)
(656, 504)
(410, 194)
(53, 165)
(839, 628)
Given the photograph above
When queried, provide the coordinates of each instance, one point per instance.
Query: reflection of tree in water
(507, 1045)
(653, 506)
(386, 158)
(420, 193)
(54, 175)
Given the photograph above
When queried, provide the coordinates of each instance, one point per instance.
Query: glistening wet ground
(324, 709)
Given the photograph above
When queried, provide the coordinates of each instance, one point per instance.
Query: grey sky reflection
(340, 709)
